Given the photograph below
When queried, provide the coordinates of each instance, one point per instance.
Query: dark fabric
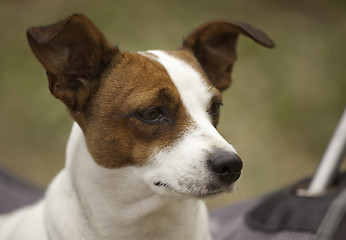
(228, 223)
(285, 210)
(16, 193)
(333, 218)
(341, 233)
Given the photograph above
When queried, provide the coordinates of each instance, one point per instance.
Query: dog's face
(160, 116)
(155, 110)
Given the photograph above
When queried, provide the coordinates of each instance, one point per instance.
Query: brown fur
(214, 46)
(105, 89)
(75, 54)
(115, 135)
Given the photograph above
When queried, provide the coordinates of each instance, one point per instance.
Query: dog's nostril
(226, 166)
(224, 171)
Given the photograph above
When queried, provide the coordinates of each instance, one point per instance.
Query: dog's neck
(114, 204)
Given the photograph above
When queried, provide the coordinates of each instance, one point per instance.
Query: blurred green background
(279, 113)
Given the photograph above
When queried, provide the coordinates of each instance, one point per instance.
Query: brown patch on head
(106, 91)
(115, 135)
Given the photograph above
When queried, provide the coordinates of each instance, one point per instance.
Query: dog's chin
(167, 190)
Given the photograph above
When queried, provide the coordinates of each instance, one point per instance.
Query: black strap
(285, 210)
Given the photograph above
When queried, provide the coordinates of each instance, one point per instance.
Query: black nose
(226, 166)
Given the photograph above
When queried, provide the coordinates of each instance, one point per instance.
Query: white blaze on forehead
(194, 91)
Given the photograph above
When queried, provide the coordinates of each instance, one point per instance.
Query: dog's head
(154, 110)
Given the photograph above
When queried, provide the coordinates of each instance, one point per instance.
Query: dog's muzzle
(225, 166)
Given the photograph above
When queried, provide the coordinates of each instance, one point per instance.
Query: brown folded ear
(74, 53)
(214, 45)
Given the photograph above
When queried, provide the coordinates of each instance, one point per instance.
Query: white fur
(87, 201)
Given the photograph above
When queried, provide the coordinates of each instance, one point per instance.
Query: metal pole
(330, 161)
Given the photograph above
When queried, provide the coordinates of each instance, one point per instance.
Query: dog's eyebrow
(165, 93)
(216, 95)
(152, 97)
(217, 98)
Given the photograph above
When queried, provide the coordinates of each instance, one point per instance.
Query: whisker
(239, 193)
(239, 145)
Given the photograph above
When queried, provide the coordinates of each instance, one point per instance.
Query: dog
(144, 150)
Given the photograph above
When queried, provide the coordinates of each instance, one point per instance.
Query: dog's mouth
(209, 192)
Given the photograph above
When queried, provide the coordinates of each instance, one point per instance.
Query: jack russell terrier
(144, 150)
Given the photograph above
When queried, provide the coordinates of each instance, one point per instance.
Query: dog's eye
(214, 109)
(150, 115)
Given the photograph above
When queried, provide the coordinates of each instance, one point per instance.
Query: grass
(279, 113)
